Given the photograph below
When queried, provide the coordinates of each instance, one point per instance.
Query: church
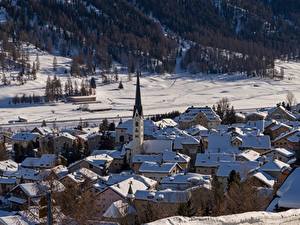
(138, 145)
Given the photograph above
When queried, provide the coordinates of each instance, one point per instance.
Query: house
(183, 181)
(287, 196)
(120, 211)
(8, 167)
(281, 154)
(116, 192)
(205, 116)
(118, 162)
(46, 161)
(280, 113)
(165, 123)
(43, 131)
(162, 203)
(275, 129)
(138, 160)
(222, 143)
(257, 142)
(7, 184)
(165, 157)
(290, 140)
(124, 131)
(275, 168)
(27, 194)
(96, 163)
(255, 116)
(248, 155)
(157, 171)
(208, 163)
(24, 144)
(241, 167)
(262, 179)
(90, 141)
(63, 142)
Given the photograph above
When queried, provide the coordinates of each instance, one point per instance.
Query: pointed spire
(130, 194)
(138, 101)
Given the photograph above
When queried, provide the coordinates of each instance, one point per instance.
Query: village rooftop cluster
(148, 164)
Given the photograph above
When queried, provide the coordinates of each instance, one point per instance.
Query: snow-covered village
(121, 112)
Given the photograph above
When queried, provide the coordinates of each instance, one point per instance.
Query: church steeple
(138, 121)
(138, 108)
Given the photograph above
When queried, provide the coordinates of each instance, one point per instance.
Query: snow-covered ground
(160, 93)
(291, 217)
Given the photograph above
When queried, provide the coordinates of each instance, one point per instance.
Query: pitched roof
(275, 165)
(289, 192)
(168, 196)
(265, 178)
(153, 167)
(157, 146)
(119, 209)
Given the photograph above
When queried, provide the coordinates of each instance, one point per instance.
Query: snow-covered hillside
(291, 217)
(160, 93)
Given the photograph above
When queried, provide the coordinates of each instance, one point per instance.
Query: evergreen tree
(120, 85)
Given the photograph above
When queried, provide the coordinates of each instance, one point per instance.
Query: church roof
(138, 101)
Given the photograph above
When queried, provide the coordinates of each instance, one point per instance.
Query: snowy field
(160, 93)
(291, 217)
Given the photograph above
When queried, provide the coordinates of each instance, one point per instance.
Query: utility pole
(49, 211)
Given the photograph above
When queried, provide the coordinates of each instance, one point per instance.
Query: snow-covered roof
(289, 192)
(167, 196)
(9, 166)
(11, 220)
(192, 112)
(288, 134)
(43, 130)
(60, 170)
(123, 186)
(284, 152)
(39, 189)
(184, 178)
(45, 161)
(241, 167)
(275, 165)
(213, 159)
(24, 136)
(88, 174)
(149, 127)
(148, 158)
(198, 130)
(157, 146)
(256, 141)
(67, 135)
(250, 155)
(8, 180)
(166, 123)
(153, 167)
(172, 157)
(99, 160)
(112, 153)
(281, 108)
(119, 209)
(221, 142)
(265, 178)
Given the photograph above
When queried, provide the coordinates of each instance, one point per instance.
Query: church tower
(138, 120)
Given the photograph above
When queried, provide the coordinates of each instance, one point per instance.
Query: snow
(289, 196)
(160, 93)
(290, 217)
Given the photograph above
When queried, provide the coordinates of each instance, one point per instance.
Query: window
(136, 123)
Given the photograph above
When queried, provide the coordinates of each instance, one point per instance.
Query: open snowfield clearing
(291, 217)
(160, 93)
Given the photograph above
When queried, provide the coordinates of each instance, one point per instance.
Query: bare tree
(290, 98)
